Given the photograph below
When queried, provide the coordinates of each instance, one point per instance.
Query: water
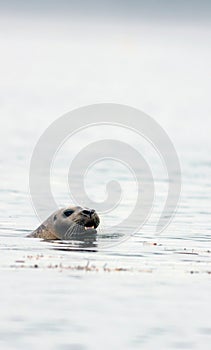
(151, 291)
(146, 291)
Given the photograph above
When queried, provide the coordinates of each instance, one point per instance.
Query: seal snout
(89, 219)
(85, 217)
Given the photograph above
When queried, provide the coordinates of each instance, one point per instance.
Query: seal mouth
(88, 221)
(87, 225)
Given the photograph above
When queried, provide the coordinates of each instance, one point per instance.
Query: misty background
(60, 55)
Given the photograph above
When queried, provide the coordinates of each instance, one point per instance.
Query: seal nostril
(88, 213)
(92, 211)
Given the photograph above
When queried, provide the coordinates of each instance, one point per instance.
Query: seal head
(68, 222)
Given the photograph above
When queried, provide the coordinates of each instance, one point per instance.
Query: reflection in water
(78, 242)
(90, 242)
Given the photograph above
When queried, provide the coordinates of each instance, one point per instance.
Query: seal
(66, 223)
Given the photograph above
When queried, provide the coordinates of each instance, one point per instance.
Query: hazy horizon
(189, 10)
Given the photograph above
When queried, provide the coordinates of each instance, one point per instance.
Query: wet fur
(58, 226)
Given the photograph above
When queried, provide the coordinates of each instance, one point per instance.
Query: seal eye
(68, 212)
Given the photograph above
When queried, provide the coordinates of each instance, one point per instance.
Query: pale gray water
(151, 291)
(147, 292)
